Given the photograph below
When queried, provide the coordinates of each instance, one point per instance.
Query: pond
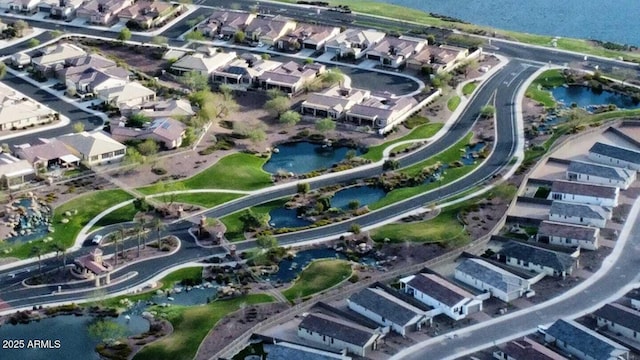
(585, 97)
(286, 218)
(364, 194)
(70, 330)
(30, 220)
(303, 157)
(471, 152)
(289, 269)
(188, 296)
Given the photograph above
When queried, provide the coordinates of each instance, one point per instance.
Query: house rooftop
(381, 109)
(577, 232)
(577, 188)
(267, 26)
(49, 150)
(559, 262)
(200, 62)
(577, 210)
(616, 152)
(585, 340)
(58, 53)
(438, 288)
(385, 305)
(288, 351)
(492, 275)
(527, 349)
(393, 46)
(11, 166)
(356, 36)
(607, 172)
(620, 315)
(338, 329)
(90, 144)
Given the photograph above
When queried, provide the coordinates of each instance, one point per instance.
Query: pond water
(289, 269)
(364, 194)
(469, 151)
(286, 218)
(180, 296)
(31, 223)
(303, 157)
(70, 330)
(584, 97)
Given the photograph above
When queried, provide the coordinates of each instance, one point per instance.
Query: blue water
(195, 296)
(37, 231)
(71, 330)
(364, 194)
(287, 271)
(286, 218)
(584, 97)
(468, 158)
(303, 157)
(606, 20)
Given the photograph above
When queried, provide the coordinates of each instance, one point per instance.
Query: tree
(158, 225)
(431, 40)
(38, 251)
(274, 93)
(354, 204)
(487, 111)
(118, 238)
(56, 33)
(239, 36)
(290, 118)
(106, 331)
(124, 34)
(3, 69)
(20, 26)
(141, 231)
(195, 81)
(133, 157)
(350, 154)
(277, 105)
(332, 77)
(78, 127)
(304, 188)
(195, 35)
(267, 241)
(148, 147)
(325, 125)
(60, 249)
(265, 56)
(355, 228)
(159, 40)
(138, 120)
(308, 61)
(442, 80)
(33, 42)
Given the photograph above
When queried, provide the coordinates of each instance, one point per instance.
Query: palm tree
(141, 232)
(59, 248)
(37, 251)
(158, 226)
(118, 236)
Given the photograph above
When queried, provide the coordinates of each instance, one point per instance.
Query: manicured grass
(235, 226)
(207, 200)
(123, 214)
(401, 148)
(468, 88)
(318, 276)
(453, 103)
(238, 171)
(453, 153)
(444, 228)
(420, 132)
(88, 205)
(191, 325)
(190, 273)
(539, 88)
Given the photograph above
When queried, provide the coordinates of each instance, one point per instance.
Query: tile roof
(576, 232)
(620, 315)
(393, 46)
(11, 166)
(90, 144)
(492, 275)
(385, 305)
(616, 152)
(50, 150)
(585, 340)
(577, 188)
(337, 329)
(270, 27)
(527, 349)
(577, 210)
(58, 53)
(356, 36)
(385, 109)
(288, 351)
(607, 172)
(200, 62)
(560, 262)
(439, 289)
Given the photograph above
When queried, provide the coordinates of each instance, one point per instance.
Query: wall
(576, 220)
(618, 329)
(398, 328)
(584, 199)
(336, 344)
(614, 162)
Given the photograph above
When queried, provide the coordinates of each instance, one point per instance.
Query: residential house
(387, 310)
(393, 51)
(148, 13)
(19, 112)
(268, 30)
(52, 58)
(47, 154)
(225, 23)
(129, 95)
(353, 42)
(619, 319)
(174, 108)
(25, 6)
(526, 349)
(634, 296)
(201, 63)
(615, 156)
(166, 131)
(286, 351)
(440, 58)
(583, 343)
(333, 102)
(498, 282)
(445, 297)
(102, 12)
(306, 36)
(584, 237)
(64, 9)
(94, 148)
(537, 259)
(380, 112)
(92, 81)
(14, 172)
(243, 73)
(20, 60)
(289, 77)
(80, 64)
(582, 193)
(580, 214)
(600, 174)
(338, 334)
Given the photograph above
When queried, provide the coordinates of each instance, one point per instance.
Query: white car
(97, 239)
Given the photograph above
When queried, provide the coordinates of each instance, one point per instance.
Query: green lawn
(449, 155)
(444, 228)
(453, 103)
(88, 205)
(239, 171)
(191, 325)
(468, 88)
(420, 132)
(235, 226)
(318, 276)
(207, 200)
(539, 88)
(124, 214)
(193, 273)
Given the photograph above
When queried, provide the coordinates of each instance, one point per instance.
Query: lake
(585, 19)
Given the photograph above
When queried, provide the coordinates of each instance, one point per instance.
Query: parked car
(97, 239)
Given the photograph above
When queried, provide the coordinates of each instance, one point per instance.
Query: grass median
(320, 275)
(444, 228)
(453, 103)
(539, 90)
(424, 131)
(235, 226)
(469, 88)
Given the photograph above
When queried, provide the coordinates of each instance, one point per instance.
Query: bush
(159, 171)
(354, 278)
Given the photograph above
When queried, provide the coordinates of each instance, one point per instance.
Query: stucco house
(148, 13)
(46, 154)
(243, 73)
(537, 259)
(333, 102)
(487, 277)
(338, 334)
(94, 148)
(289, 77)
(619, 319)
(441, 58)
(52, 58)
(615, 156)
(394, 51)
(225, 23)
(306, 36)
(600, 174)
(445, 297)
(174, 108)
(282, 350)
(14, 172)
(102, 12)
(526, 349)
(582, 193)
(353, 42)
(166, 131)
(201, 63)
(580, 214)
(380, 112)
(584, 237)
(20, 112)
(128, 95)
(583, 343)
(268, 30)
